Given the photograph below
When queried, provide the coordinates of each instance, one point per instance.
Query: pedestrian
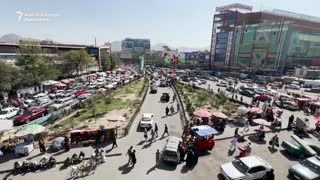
(246, 125)
(182, 151)
(167, 111)
(233, 144)
(145, 134)
(66, 143)
(236, 134)
(218, 89)
(248, 149)
(291, 119)
(133, 158)
(156, 129)
(114, 141)
(129, 153)
(174, 98)
(165, 130)
(258, 103)
(152, 134)
(241, 99)
(172, 109)
(42, 147)
(274, 141)
(158, 157)
(236, 97)
(178, 107)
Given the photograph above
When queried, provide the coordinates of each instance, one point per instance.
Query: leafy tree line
(109, 62)
(32, 66)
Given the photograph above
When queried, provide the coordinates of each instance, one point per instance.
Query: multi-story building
(8, 51)
(273, 41)
(131, 47)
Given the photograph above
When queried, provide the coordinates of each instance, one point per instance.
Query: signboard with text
(234, 6)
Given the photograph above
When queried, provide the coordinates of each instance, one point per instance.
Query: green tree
(6, 76)
(75, 61)
(114, 60)
(105, 61)
(34, 65)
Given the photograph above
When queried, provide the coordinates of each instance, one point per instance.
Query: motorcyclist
(81, 155)
(74, 158)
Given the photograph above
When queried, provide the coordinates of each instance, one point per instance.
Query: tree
(105, 61)
(6, 76)
(75, 61)
(34, 65)
(114, 61)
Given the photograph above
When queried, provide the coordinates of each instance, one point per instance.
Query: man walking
(174, 98)
(165, 130)
(129, 153)
(158, 157)
(114, 141)
(233, 144)
(167, 111)
(156, 129)
(274, 141)
(178, 107)
(152, 134)
(145, 134)
(133, 158)
(246, 125)
(291, 119)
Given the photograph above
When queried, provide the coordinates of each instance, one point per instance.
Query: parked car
(260, 91)
(146, 120)
(9, 112)
(263, 98)
(222, 84)
(153, 89)
(215, 79)
(247, 93)
(307, 169)
(61, 103)
(230, 89)
(290, 105)
(44, 102)
(293, 86)
(170, 151)
(296, 149)
(202, 81)
(30, 115)
(250, 167)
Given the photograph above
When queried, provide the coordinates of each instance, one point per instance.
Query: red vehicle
(79, 93)
(204, 137)
(30, 115)
(263, 98)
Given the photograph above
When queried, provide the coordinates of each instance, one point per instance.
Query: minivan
(170, 151)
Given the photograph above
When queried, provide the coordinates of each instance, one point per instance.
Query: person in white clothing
(233, 144)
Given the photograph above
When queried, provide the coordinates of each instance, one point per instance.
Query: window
(240, 166)
(224, 40)
(222, 35)
(256, 169)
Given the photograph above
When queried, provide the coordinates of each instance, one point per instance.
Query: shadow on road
(289, 156)
(125, 168)
(147, 145)
(151, 169)
(37, 155)
(116, 154)
(141, 142)
(7, 157)
(167, 166)
(186, 168)
(254, 139)
(59, 153)
(272, 150)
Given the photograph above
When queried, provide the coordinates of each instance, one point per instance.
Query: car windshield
(3, 112)
(240, 166)
(310, 165)
(58, 102)
(146, 119)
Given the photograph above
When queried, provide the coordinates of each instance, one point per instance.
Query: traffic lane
(286, 113)
(116, 165)
(209, 163)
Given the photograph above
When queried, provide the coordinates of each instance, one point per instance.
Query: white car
(293, 86)
(222, 84)
(8, 113)
(146, 120)
(61, 103)
(249, 168)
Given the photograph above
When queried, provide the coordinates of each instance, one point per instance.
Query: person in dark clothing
(42, 147)
(291, 119)
(236, 134)
(129, 153)
(182, 152)
(167, 111)
(114, 141)
(156, 129)
(133, 158)
(66, 143)
(241, 99)
(165, 130)
(218, 89)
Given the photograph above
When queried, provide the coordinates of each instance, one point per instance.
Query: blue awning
(204, 130)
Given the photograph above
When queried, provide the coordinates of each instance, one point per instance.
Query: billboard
(135, 45)
(234, 6)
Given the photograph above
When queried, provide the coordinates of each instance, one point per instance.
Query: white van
(170, 151)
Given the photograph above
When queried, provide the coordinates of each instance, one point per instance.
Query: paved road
(116, 165)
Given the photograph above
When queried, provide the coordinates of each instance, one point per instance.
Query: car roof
(314, 160)
(173, 143)
(253, 161)
(148, 115)
(8, 108)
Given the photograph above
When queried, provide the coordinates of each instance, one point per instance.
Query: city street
(117, 167)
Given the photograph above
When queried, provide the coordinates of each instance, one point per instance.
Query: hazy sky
(175, 22)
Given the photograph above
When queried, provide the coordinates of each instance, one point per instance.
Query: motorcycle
(85, 168)
(17, 167)
(67, 162)
(46, 163)
(30, 166)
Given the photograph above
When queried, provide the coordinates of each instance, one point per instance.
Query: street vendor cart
(203, 137)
